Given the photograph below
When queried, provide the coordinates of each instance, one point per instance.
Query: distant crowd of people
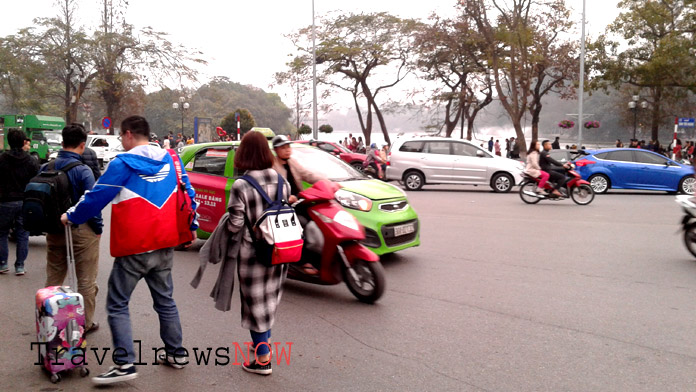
(681, 151)
(170, 141)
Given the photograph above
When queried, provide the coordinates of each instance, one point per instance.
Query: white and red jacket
(142, 185)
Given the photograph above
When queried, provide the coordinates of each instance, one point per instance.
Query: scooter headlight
(353, 200)
(347, 220)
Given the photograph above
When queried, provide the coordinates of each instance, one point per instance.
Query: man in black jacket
(17, 168)
(89, 157)
(552, 166)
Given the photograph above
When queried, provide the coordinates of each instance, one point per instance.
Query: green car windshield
(325, 165)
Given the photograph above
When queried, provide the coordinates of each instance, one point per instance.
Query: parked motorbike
(578, 189)
(341, 257)
(688, 223)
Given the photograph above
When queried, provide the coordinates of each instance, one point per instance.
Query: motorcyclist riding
(553, 167)
(295, 174)
(373, 158)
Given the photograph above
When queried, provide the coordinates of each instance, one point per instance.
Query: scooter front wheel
(690, 238)
(365, 280)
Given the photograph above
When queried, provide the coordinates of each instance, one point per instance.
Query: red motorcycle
(342, 257)
(578, 189)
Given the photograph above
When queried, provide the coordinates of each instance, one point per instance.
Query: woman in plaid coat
(260, 287)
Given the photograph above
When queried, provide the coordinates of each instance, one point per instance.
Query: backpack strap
(258, 188)
(281, 183)
(67, 167)
(177, 165)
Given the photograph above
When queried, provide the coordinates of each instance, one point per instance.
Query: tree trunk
(655, 120)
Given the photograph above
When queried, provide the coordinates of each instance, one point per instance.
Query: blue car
(629, 168)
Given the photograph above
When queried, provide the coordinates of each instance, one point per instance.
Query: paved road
(501, 296)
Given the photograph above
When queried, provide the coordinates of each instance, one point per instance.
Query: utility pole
(581, 94)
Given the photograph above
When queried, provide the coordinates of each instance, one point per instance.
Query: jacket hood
(147, 160)
(19, 155)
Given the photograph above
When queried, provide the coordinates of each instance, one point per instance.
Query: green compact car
(390, 222)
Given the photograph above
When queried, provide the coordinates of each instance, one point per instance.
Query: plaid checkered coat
(260, 287)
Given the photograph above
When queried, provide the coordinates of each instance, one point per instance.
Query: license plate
(404, 229)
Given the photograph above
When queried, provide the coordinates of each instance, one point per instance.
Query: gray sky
(245, 40)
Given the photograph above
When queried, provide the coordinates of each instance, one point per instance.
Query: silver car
(438, 160)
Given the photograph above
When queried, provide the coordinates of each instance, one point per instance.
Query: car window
(602, 155)
(464, 149)
(559, 155)
(327, 147)
(412, 147)
(37, 136)
(100, 143)
(325, 165)
(646, 157)
(621, 156)
(438, 148)
(210, 161)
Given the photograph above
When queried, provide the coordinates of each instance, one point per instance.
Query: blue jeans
(156, 268)
(11, 216)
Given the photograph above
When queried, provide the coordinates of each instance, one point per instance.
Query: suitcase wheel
(84, 372)
(55, 377)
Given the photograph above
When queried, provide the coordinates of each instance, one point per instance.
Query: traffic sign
(106, 122)
(686, 122)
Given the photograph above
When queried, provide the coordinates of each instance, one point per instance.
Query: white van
(439, 160)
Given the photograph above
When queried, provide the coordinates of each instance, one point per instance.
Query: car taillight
(584, 162)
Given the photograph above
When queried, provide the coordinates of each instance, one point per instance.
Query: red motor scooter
(578, 189)
(343, 257)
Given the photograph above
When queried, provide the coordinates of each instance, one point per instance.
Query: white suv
(439, 160)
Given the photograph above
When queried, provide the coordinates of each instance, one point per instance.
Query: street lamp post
(633, 106)
(182, 106)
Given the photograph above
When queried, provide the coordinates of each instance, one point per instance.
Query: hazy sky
(245, 40)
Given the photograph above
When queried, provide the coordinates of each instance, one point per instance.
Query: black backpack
(46, 197)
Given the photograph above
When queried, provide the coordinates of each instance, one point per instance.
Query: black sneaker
(254, 367)
(174, 361)
(116, 374)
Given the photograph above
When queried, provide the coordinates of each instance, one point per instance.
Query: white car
(438, 160)
(102, 144)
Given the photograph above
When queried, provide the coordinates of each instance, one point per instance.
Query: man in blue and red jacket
(142, 184)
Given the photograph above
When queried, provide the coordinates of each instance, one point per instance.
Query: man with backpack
(85, 236)
(143, 185)
(17, 167)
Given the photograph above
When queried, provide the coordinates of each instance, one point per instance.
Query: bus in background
(36, 127)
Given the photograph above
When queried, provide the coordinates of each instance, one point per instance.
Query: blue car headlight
(352, 200)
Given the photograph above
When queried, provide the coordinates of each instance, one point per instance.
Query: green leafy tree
(352, 50)
(326, 128)
(297, 77)
(655, 61)
(304, 129)
(229, 123)
(521, 41)
(448, 53)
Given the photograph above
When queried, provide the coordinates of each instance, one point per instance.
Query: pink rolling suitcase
(60, 322)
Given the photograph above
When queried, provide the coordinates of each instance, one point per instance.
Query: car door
(656, 171)
(437, 161)
(623, 169)
(208, 174)
(468, 166)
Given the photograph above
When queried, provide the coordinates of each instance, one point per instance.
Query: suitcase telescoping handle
(72, 275)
